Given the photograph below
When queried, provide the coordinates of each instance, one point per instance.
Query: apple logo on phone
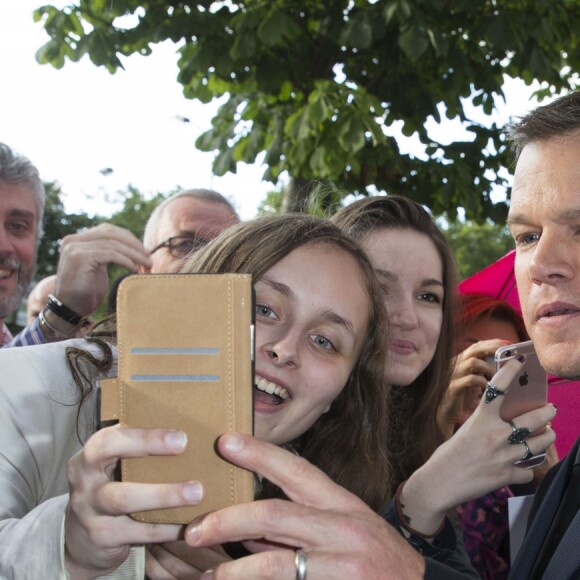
(523, 380)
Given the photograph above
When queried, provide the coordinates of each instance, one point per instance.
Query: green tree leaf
(414, 42)
(358, 32)
(314, 84)
(476, 246)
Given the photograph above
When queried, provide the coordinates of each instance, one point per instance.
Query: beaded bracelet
(403, 519)
(57, 307)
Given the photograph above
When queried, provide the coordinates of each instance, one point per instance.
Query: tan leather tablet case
(185, 361)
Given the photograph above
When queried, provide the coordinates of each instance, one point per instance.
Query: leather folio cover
(185, 361)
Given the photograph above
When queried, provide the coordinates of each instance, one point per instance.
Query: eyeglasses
(181, 246)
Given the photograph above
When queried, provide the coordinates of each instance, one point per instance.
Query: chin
(560, 360)
(568, 370)
(269, 436)
(400, 379)
(262, 434)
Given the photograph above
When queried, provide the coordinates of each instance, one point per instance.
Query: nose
(402, 313)
(551, 262)
(283, 351)
(5, 242)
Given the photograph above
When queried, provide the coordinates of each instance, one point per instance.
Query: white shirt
(38, 435)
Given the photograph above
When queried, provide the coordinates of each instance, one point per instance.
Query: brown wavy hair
(414, 434)
(349, 441)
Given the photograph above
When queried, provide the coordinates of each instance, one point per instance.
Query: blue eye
(264, 311)
(527, 239)
(322, 342)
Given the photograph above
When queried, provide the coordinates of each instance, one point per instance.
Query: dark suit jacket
(565, 563)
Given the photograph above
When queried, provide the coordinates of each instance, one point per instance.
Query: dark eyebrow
(515, 218)
(335, 318)
(278, 287)
(386, 274)
(23, 213)
(329, 315)
(570, 214)
(186, 234)
(567, 215)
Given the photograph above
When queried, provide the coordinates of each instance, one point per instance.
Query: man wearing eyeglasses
(178, 226)
(182, 224)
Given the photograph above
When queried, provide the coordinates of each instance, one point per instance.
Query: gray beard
(10, 301)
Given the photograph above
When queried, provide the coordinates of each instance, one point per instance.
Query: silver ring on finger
(491, 392)
(518, 434)
(528, 454)
(301, 563)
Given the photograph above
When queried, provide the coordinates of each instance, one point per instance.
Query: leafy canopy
(476, 246)
(57, 224)
(315, 85)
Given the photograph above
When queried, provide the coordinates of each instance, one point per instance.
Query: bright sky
(74, 122)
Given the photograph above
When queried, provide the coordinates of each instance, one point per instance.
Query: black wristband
(63, 311)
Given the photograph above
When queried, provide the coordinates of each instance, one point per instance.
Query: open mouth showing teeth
(279, 394)
(5, 273)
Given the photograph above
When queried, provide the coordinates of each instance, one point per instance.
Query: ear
(327, 408)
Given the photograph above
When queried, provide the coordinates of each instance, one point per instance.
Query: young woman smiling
(319, 363)
(415, 266)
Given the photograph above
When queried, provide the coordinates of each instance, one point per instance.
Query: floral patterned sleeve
(484, 523)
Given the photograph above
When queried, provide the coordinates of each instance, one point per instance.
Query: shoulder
(39, 370)
(28, 366)
(27, 359)
(561, 467)
(50, 351)
(553, 484)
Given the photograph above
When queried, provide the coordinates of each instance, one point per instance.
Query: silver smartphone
(528, 389)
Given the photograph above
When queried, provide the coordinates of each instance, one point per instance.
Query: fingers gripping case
(185, 361)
